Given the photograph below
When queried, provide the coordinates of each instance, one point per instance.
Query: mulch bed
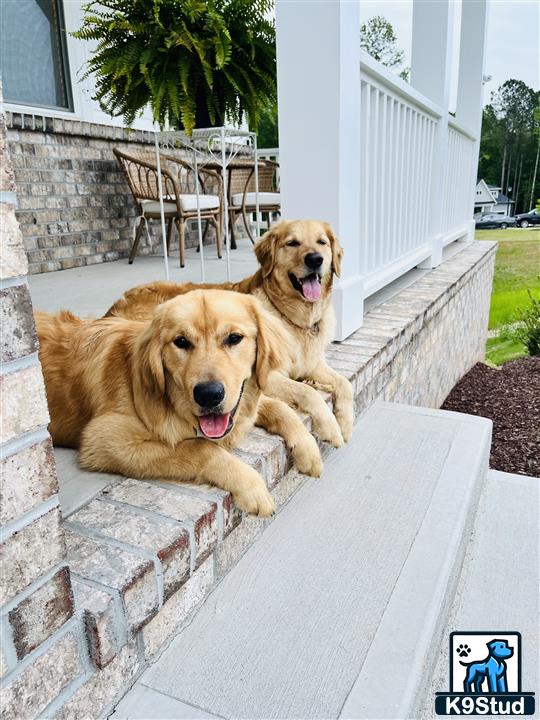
(510, 396)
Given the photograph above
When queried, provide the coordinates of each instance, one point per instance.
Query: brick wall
(40, 638)
(75, 207)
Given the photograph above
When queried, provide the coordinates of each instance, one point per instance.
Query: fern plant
(196, 63)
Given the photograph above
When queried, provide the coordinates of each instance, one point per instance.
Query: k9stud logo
(485, 676)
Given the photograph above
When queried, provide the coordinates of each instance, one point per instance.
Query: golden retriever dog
(169, 396)
(298, 260)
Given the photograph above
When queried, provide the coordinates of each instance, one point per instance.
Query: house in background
(490, 199)
(483, 199)
(503, 204)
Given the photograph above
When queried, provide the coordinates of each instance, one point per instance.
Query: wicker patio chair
(180, 200)
(242, 194)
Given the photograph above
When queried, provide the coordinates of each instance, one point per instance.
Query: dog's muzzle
(215, 425)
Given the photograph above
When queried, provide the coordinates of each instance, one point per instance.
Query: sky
(513, 37)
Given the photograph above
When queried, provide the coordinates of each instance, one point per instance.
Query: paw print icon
(463, 650)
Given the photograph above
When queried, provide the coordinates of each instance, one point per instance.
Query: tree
(514, 102)
(509, 143)
(536, 134)
(267, 134)
(377, 37)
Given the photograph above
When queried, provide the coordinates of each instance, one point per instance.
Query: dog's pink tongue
(311, 288)
(214, 426)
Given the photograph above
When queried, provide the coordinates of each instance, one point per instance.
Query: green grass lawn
(499, 351)
(517, 269)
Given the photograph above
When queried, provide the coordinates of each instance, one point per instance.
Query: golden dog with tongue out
(167, 397)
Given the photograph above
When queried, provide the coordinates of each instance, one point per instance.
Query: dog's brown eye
(234, 339)
(182, 343)
(293, 243)
(321, 242)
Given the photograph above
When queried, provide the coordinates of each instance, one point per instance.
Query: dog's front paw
(307, 457)
(330, 433)
(255, 499)
(345, 421)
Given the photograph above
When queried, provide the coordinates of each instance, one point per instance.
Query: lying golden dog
(168, 396)
(298, 260)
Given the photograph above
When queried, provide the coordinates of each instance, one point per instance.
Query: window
(33, 58)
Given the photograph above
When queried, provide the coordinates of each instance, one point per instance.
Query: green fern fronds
(194, 62)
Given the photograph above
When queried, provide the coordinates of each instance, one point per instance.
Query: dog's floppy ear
(337, 250)
(272, 342)
(150, 362)
(265, 249)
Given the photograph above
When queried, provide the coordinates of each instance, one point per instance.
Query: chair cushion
(265, 198)
(153, 206)
(206, 202)
(187, 202)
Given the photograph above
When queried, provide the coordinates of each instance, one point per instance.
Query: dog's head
(499, 649)
(300, 257)
(200, 350)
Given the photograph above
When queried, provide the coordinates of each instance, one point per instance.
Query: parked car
(493, 220)
(530, 218)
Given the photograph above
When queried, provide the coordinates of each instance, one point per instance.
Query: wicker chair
(242, 194)
(180, 200)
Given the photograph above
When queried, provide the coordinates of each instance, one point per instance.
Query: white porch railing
(398, 154)
(458, 207)
(397, 129)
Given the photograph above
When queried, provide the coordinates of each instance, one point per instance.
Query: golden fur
(281, 252)
(122, 390)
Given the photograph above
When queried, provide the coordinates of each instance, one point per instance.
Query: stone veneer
(88, 602)
(39, 653)
(74, 205)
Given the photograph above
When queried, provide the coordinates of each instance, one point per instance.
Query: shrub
(528, 329)
(526, 326)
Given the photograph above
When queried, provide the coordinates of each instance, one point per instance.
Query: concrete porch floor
(92, 289)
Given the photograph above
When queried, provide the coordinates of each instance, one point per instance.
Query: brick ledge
(46, 123)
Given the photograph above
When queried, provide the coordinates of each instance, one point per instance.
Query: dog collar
(313, 329)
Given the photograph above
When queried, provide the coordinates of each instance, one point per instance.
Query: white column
(318, 70)
(431, 64)
(470, 93)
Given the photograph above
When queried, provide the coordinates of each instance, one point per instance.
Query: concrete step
(498, 587)
(355, 574)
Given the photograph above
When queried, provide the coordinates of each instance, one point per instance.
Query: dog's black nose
(208, 394)
(313, 261)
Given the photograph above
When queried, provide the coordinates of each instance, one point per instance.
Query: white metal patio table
(215, 148)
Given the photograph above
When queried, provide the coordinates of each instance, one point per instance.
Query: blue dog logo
(492, 669)
(491, 686)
